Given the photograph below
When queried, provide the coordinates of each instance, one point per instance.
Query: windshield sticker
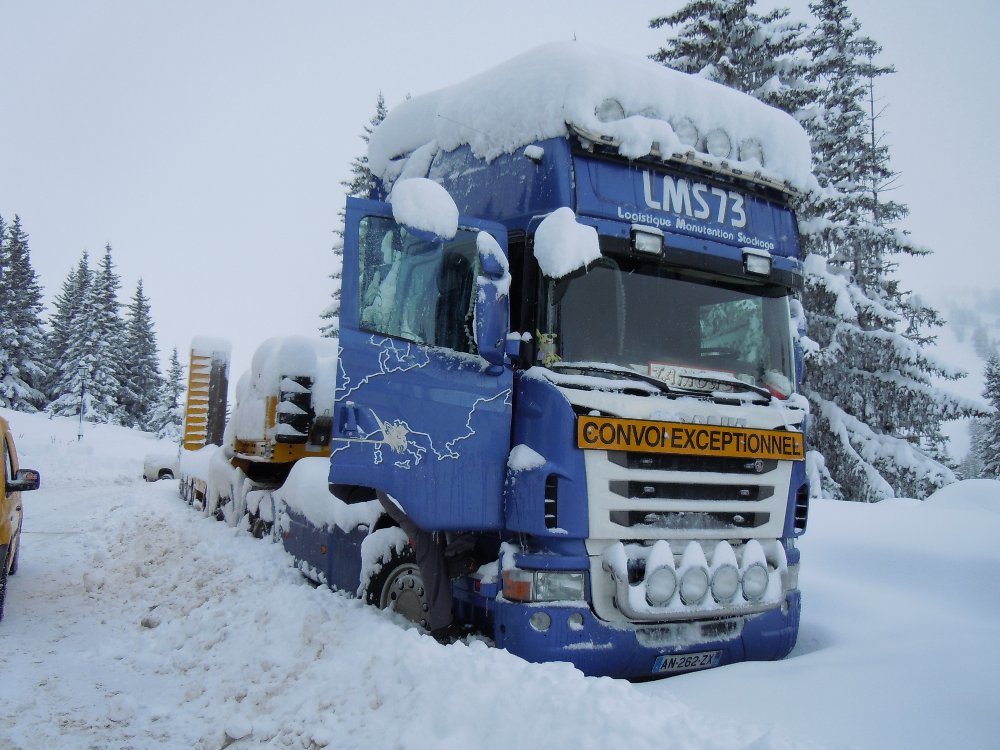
(695, 378)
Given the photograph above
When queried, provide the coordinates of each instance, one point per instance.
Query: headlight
(755, 582)
(660, 587)
(552, 586)
(543, 585)
(694, 585)
(725, 583)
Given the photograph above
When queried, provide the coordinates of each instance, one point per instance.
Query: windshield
(687, 331)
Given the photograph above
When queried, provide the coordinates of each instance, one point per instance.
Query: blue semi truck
(568, 342)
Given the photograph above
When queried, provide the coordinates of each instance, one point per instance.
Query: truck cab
(592, 370)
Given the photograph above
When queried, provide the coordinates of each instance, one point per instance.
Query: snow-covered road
(134, 622)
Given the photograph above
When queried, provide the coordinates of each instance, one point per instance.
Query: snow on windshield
(534, 95)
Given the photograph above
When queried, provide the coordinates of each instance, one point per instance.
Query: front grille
(685, 520)
(670, 462)
(687, 491)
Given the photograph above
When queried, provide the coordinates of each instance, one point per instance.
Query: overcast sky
(206, 141)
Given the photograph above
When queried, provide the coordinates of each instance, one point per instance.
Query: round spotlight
(718, 143)
(541, 621)
(725, 583)
(610, 110)
(575, 621)
(755, 582)
(750, 150)
(694, 585)
(660, 587)
(686, 132)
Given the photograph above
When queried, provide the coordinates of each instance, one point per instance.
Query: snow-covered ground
(134, 622)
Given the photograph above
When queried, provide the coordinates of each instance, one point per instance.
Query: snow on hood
(534, 95)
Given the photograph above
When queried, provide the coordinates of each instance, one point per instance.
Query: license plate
(684, 662)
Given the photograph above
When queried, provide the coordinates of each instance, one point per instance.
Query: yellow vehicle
(13, 482)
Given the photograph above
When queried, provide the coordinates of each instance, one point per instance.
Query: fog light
(540, 621)
(718, 143)
(575, 621)
(660, 587)
(725, 583)
(694, 585)
(686, 131)
(610, 110)
(752, 150)
(755, 582)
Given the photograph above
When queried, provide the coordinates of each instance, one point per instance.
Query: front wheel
(397, 585)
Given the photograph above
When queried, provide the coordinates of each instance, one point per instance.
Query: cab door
(423, 410)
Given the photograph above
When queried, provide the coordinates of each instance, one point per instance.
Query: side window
(417, 289)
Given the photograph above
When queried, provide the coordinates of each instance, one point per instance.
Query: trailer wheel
(259, 528)
(397, 585)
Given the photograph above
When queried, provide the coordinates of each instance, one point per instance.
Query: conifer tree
(359, 186)
(876, 414)
(167, 418)
(93, 361)
(727, 42)
(987, 446)
(141, 380)
(66, 307)
(21, 336)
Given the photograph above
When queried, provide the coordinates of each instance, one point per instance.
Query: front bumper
(598, 648)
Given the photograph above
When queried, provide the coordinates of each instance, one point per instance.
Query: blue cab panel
(418, 414)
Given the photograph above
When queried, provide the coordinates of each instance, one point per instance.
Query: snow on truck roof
(634, 104)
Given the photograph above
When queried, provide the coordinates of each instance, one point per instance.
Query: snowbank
(137, 622)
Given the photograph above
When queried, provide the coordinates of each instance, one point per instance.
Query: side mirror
(492, 303)
(24, 480)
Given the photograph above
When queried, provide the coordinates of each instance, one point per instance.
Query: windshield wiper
(622, 374)
(626, 374)
(766, 394)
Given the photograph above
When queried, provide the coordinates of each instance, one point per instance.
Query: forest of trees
(90, 359)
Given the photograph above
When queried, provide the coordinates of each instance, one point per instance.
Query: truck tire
(397, 585)
(17, 552)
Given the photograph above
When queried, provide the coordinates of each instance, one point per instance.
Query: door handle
(348, 421)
